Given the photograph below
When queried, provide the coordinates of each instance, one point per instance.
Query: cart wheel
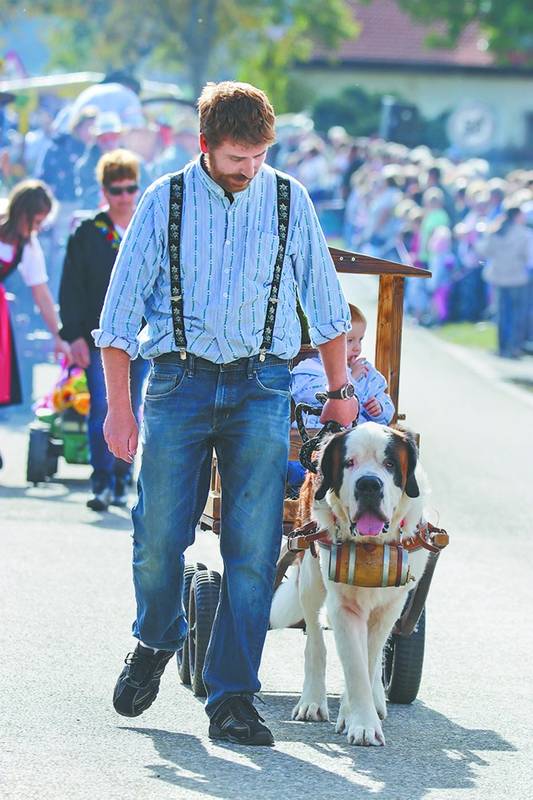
(403, 657)
(205, 590)
(55, 449)
(182, 656)
(37, 464)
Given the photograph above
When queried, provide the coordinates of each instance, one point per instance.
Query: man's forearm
(333, 355)
(117, 378)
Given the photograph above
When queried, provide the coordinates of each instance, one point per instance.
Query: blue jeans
(106, 468)
(242, 411)
(511, 319)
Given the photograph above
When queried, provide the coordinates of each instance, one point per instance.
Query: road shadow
(425, 751)
(66, 492)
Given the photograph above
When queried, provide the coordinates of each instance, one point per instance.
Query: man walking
(214, 259)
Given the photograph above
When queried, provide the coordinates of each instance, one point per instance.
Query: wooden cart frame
(387, 355)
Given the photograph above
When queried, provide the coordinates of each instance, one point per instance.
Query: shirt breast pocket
(260, 257)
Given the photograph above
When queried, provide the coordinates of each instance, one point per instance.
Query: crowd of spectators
(472, 229)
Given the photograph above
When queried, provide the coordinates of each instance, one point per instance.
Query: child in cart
(308, 378)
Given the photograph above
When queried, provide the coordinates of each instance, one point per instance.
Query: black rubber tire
(37, 464)
(205, 591)
(403, 659)
(182, 656)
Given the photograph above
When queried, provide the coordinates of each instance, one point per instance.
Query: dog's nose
(369, 485)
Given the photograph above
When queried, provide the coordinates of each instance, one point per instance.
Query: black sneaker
(138, 683)
(238, 721)
(101, 500)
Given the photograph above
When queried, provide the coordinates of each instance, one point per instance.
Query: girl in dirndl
(28, 205)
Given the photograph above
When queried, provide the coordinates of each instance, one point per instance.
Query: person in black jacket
(91, 254)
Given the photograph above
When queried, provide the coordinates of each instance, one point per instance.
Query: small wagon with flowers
(60, 427)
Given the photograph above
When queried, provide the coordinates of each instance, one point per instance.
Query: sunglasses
(115, 191)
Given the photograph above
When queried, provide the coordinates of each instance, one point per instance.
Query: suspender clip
(262, 354)
(183, 354)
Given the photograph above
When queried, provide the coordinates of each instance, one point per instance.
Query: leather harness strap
(427, 536)
(305, 538)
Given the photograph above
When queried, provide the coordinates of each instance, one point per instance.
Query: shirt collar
(215, 188)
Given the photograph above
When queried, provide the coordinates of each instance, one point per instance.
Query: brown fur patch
(305, 499)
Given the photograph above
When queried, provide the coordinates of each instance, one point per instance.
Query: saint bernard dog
(370, 487)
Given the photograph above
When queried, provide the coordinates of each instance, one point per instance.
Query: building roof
(388, 34)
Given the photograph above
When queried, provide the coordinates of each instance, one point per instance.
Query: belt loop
(250, 367)
(191, 365)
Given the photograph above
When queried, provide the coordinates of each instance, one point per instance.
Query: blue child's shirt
(308, 378)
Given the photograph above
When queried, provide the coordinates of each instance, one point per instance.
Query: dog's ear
(404, 452)
(411, 486)
(330, 467)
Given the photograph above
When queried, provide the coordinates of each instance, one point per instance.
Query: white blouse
(32, 266)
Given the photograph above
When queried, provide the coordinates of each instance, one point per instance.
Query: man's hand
(358, 367)
(121, 434)
(342, 411)
(373, 407)
(80, 352)
(62, 349)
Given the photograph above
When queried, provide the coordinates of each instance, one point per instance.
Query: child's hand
(358, 367)
(373, 407)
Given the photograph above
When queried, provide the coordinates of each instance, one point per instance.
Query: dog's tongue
(369, 525)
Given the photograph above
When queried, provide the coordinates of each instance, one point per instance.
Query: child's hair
(118, 165)
(27, 199)
(356, 315)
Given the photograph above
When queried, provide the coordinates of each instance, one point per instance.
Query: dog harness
(365, 563)
(174, 240)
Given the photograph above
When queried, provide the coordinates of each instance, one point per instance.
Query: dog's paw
(344, 710)
(380, 701)
(311, 711)
(365, 732)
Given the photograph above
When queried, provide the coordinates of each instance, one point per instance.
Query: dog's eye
(389, 463)
(350, 462)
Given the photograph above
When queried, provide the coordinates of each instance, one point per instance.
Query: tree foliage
(256, 40)
(506, 24)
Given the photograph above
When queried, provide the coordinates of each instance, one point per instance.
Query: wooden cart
(403, 654)
(387, 356)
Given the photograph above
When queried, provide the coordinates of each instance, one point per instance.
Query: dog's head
(368, 479)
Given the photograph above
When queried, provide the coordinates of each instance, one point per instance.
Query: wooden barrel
(370, 565)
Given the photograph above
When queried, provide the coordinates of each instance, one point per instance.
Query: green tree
(255, 40)
(506, 24)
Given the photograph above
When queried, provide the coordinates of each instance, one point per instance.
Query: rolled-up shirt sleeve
(133, 276)
(319, 288)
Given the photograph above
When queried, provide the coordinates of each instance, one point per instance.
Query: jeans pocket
(163, 382)
(274, 379)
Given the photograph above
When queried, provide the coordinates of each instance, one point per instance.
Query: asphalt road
(68, 603)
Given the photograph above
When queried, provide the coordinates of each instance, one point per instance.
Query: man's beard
(230, 182)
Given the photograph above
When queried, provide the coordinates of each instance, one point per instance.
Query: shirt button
(228, 241)
(226, 272)
(225, 295)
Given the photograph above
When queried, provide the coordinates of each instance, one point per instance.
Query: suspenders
(174, 237)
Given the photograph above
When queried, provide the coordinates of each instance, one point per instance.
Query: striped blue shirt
(228, 252)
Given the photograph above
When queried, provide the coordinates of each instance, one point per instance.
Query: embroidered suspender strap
(174, 239)
(284, 204)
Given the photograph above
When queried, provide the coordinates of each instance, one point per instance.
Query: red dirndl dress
(10, 389)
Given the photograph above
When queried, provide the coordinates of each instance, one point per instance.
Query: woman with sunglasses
(91, 253)
(28, 205)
